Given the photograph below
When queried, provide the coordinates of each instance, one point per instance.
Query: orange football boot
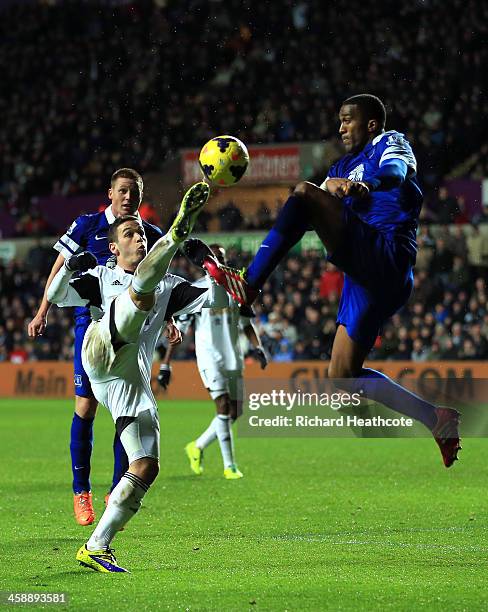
(83, 507)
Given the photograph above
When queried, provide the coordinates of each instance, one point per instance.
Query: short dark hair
(128, 173)
(112, 234)
(371, 106)
(218, 247)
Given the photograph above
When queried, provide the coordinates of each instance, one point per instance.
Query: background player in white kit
(221, 364)
(136, 298)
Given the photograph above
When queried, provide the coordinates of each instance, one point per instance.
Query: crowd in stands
(447, 317)
(90, 86)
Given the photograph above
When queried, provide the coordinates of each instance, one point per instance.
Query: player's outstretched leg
(446, 434)
(443, 422)
(309, 207)
(231, 279)
(346, 365)
(154, 266)
(193, 201)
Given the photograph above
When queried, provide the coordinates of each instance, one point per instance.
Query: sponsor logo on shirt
(357, 173)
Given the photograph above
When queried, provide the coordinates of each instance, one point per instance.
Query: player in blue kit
(89, 233)
(366, 214)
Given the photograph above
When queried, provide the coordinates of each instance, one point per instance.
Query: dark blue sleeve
(75, 238)
(391, 174)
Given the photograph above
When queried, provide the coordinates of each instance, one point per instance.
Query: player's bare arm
(259, 353)
(38, 324)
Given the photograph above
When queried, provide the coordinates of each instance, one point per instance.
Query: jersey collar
(120, 269)
(111, 217)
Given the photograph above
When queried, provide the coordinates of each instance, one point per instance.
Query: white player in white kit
(220, 363)
(130, 305)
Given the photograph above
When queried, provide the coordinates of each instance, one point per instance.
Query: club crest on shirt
(71, 228)
(395, 139)
(357, 173)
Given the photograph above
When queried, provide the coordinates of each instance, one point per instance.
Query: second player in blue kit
(366, 214)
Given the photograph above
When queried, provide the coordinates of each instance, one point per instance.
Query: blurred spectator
(66, 124)
(331, 281)
(478, 253)
(150, 214)
(40, 258)
(446, 318)
(441, 263)
(445, 207)
(230, 218)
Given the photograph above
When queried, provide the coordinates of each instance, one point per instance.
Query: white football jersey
(217, 335)
(98, 287)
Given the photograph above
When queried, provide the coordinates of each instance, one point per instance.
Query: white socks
(208, 436)
(125, 500)
(224, 434)
(154, 266)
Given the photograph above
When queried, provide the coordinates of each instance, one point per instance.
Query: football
(224, 160)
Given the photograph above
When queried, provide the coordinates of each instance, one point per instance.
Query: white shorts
(140, 435)
(119, 373)
(102, 356)
(219, 381)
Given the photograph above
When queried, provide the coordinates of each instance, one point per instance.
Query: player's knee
(304, 188)
(223, 404)
(339, 370)
(86, 407)
(146, 468)
(151, 470)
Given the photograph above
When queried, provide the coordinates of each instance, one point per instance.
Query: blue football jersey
(89, 233)
(394, 212)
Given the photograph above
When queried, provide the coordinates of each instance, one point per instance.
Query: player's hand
(173, 333)
(37, 326)
(164, 376)
(356, 189)
(337, 187)
(260, 355)
(81, 262)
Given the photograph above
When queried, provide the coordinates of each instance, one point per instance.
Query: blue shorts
(82, 383)
(378, 279)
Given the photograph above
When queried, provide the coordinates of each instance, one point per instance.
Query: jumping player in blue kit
(366, 214)
(89, 233)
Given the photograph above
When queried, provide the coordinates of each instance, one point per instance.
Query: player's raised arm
(38, 324)
(64, 291)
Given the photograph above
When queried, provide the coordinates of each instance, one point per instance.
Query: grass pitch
(316, 524)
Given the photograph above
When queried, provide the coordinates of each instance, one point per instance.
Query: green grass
(316, 524)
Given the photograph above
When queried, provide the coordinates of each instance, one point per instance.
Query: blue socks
(81, 446)
(378, 387)
(288, 229)
(121, 462)
(81, 449)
